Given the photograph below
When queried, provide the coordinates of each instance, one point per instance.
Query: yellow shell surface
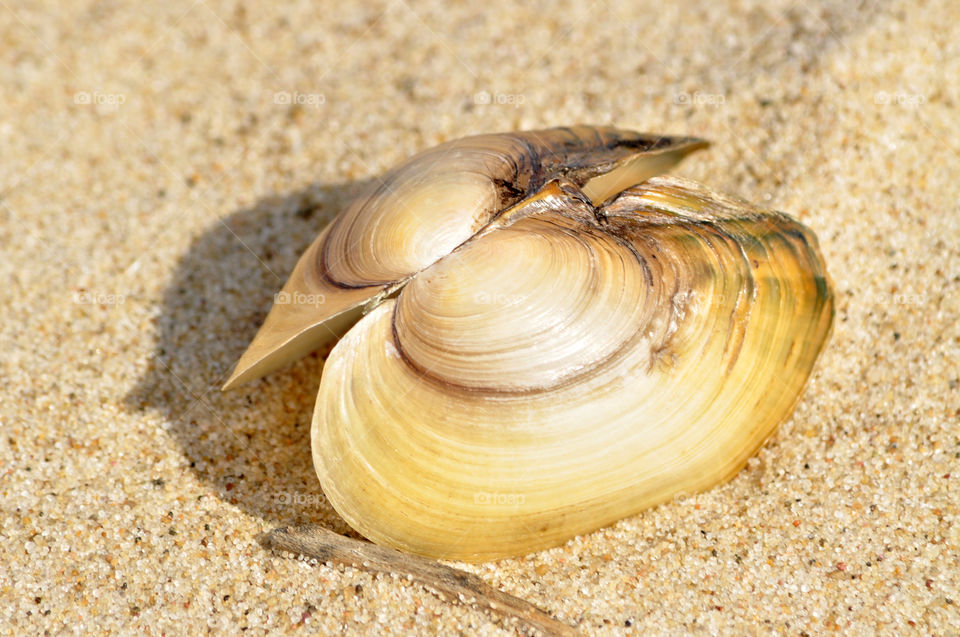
(577, 358)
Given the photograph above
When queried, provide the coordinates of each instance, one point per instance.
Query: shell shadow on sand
(250, 445)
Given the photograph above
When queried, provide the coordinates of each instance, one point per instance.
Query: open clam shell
(427, 206)
(577, 352)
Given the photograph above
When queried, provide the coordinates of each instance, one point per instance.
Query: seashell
(540, 337)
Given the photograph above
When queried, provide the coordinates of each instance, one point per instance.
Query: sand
(163, 166)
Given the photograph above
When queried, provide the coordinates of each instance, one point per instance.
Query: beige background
(155, 191)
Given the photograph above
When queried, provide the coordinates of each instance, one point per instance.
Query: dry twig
(327, 546)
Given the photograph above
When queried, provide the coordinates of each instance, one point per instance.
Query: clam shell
(427, 206)
(560, 357)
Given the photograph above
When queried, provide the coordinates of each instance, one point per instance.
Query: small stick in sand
(327, 546)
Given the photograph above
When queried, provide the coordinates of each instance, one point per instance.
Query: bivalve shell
(541, 338)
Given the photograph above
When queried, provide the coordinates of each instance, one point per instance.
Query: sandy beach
(162, 167)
